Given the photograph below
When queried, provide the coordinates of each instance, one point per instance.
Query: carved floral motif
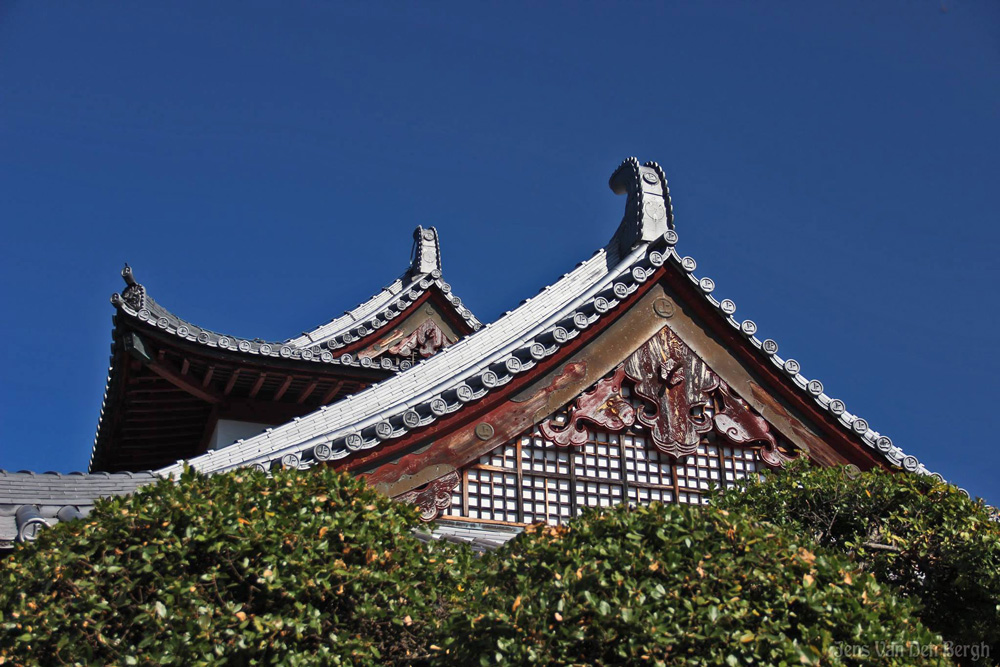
(676, 383)
(134, 295)
(433, 497)
(741, 426)
(684, 400)
(427, 339)
(602, 406)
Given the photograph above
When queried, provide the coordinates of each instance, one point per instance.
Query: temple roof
(272, 381)
(469, 370)
(642, 249)
(320, 344)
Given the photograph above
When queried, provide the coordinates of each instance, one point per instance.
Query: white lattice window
(501, 457)
(739, 463)
(597, 494)
(700, 470)
(545, 499)
(492, 495)
(645, 466)
(644, 496)
(455, 509)
(541, 456)
(600, 458)
(531, 479)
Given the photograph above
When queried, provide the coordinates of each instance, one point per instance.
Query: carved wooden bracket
(433, 497)
(740, 425)
(602, 406)
(427, 339)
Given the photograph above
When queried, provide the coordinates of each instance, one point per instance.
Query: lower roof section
(30, 502)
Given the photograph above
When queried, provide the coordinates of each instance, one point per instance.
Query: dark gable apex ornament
(433, 497)
(426, 252)
(134, 295)
(680, 391)
(649, 214)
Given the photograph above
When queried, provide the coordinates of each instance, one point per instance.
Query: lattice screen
(531, 479)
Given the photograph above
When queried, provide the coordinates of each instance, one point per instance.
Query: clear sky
(833, 165)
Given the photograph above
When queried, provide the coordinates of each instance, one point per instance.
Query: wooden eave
(266, 389)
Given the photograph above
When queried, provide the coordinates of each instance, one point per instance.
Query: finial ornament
(133, 296)
(426, 252)
(648, 212)
(127, 275)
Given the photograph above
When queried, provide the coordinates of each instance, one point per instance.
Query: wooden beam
(257, 385)
(284, 387)
(185, 365)
(173, 376)
(331, 392)
(155, 390)
(232, 382)
(310, 388)
(207, 380)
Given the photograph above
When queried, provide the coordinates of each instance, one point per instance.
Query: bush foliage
(230, 569)
(926, 539)
(676, 584)
(315, 568)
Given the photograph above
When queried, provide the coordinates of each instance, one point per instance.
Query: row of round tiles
(791, 367)
(272, 350)
(286, 351)
(392, 309)
(464, 393)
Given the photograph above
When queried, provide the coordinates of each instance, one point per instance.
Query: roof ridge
(516, 343)
(470, 368)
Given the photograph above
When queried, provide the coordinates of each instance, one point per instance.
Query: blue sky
(261, 166)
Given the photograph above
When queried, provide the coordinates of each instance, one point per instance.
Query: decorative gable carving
(433, 497)
(677, 384)
(684, 400)
(603, 406)
(426, 340)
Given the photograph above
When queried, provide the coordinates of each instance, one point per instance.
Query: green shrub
(678, 585)
(925, 538)
(301, 568)
(316, 568)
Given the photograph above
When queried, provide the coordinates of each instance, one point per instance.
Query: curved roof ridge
(424, 271)
(321, 343)
(791, 368)
(420, 386)
(491, 357)
(516, 342)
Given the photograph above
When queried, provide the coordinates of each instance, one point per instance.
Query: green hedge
(315, 568)
(675, 584)
(231, 569)
(926, 539)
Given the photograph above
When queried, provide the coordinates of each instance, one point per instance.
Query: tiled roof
(318, 346)
(460, 374)
(481, 537)
(29, 501)
(468, 370)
